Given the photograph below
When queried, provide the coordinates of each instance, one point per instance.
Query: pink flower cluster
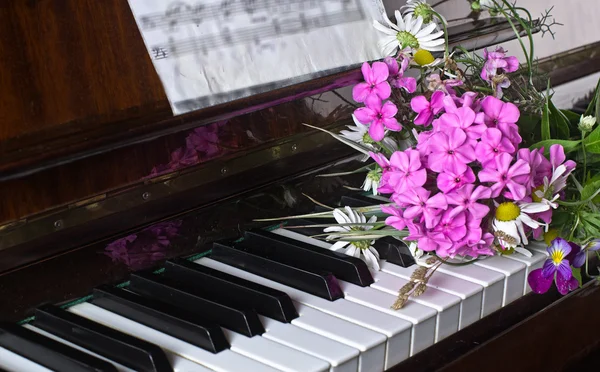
(465, 163)
(377, 87)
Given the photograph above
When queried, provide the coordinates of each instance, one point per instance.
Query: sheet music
(207, 52)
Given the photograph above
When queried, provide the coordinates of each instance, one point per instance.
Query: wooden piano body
(91, 154)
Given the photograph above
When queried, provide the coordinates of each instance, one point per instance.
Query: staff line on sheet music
(251, 34)
(193, 12)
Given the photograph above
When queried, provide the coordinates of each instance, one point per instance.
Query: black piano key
(48, 352)
(163, 317)
(390, 249)
(102, 340)
(243, 320)
(306, 256)
(321, 284)
(226, 288)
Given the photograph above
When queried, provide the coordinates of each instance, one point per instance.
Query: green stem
(574, 227)
(445, 33)
(584, 157)
(577, 204)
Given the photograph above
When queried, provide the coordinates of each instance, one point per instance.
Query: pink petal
(383, 90)
(446, 182)
(466, 116)
(361, 91)
(512, 64)
(424, 117)
(492, 106)
(408, 83)
(373, 102)
(365, 115)
(456, 138)
(503, 162)
(437, 101)
(488, 175)
(538, 282)
(437, 161)
(509, 113)
(557, 155)
(418, 178)
(438, 201)
(414, 160)
(380, 72)
(419, 104)
(376, 130)
(450, 120)
(399, 160)
(392, 65)
(465, 154)
(392, 124)
(389, 110)
(479, 211)
(367, 73)
(520, 168)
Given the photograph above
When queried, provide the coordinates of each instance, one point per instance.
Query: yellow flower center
(550, 236)
(362, 244)
(423, 57)
(557, 257)
(534, 195)
(507, 212)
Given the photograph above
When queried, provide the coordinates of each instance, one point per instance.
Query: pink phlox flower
(426, 240)
(452, 226)
(183, 157)
(482, 248)
(466, 200)
(408, 171)
(540, 166)
(396, 218)
(511, 131)
(492, 144)
(450, 149)
(497, 62)
(497, 112)
(472, 238)
(463, 118)
(375, 84)
(380, 116)
(419, 204)
(504, 175)
(384, 186)
(450, 179)
(427, 110)
(396, 75)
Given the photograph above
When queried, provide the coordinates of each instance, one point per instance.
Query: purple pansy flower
(556, 268)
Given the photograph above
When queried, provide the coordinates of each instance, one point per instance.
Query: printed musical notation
(213, 51)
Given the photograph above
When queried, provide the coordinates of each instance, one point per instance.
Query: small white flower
(361, 248)
(510, 221)
(409, 32)
(372, 181)
(586, 123)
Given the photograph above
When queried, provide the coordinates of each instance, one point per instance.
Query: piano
(129, 238)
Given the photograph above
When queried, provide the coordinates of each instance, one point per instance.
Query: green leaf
(577, 275)
(558, 122)
(354, 145)
(569, 146)
(594, 102)
(592, 141)
(546, 117)
(590, 189)
(571, 116)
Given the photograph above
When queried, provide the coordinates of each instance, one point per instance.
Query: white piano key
(303, 238)
(13, 362)
(471, 294)
(225, 361)
(341, 357)
(539, 247)
(74, 346)
(274, 354)
(383, 334)
(514, 276)
(536, 261)
(491, 281)
(422, 317)
(446, 305)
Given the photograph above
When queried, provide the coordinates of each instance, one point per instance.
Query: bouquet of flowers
(471, 159)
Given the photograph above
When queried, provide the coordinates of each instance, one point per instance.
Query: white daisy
(420, 8)
(509, 224)
(362, 249)
(409, 32)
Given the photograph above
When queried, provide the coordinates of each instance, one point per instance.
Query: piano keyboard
(277, 301)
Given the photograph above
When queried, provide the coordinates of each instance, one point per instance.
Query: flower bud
(586, 123)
